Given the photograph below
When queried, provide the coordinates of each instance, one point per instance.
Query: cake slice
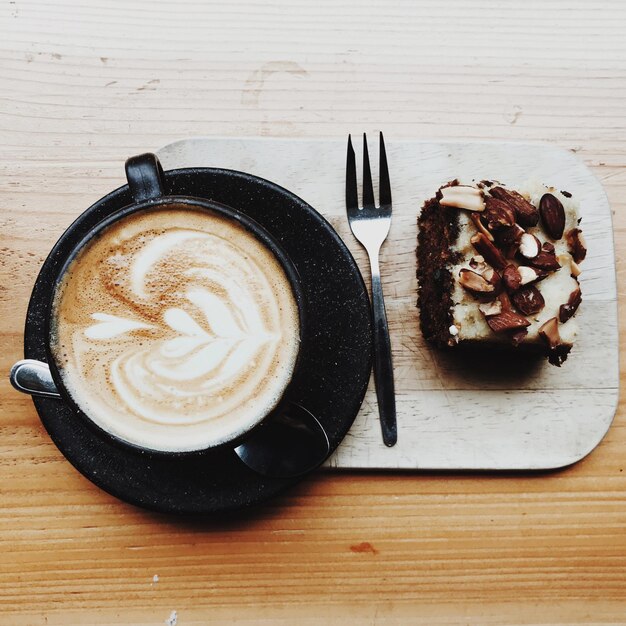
(499, 267)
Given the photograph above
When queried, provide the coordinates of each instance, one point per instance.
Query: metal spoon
(286, 445)
(33, 377)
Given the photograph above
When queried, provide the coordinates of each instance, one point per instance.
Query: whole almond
(552, 215)
(525, 212)
(528, 300)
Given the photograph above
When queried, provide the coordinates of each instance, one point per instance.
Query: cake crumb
(172, 620)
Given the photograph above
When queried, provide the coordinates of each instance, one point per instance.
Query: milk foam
(176, 329)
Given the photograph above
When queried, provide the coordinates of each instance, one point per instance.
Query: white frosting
(196, 330)
(555, 288)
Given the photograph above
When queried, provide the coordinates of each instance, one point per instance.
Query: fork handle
(383, 365)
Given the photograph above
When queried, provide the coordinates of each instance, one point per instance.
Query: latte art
(176, 329)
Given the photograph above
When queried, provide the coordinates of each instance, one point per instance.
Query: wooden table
(85, 84)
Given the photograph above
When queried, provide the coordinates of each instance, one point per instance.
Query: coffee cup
(174, 325)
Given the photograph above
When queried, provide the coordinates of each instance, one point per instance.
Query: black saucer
(331, 383)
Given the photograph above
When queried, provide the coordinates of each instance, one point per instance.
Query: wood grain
(456, 412)
(83, 85)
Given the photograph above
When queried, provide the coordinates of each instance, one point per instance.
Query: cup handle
(33, 377)
(145, 177)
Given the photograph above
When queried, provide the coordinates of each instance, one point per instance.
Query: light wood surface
(85, 84)
(456, 412)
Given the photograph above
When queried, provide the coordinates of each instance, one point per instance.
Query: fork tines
(384, 190)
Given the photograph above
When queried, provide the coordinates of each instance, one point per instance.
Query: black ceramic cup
(145, 179)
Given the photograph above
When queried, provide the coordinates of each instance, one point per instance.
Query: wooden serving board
(456, 412)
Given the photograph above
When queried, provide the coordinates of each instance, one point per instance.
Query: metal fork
(370, 225)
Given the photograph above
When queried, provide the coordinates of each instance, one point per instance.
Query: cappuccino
(175, 329)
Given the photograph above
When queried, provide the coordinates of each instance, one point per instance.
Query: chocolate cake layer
(498, 266)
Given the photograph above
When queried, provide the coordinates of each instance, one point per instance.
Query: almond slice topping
(512, 277)
(463, 197)
(566, 311)
(577, 245)
(480, 227)
(529, 246)
(530, 274)
(507, 320)
(488, 251)
(549, 332)
(474, 282)
(546, 259)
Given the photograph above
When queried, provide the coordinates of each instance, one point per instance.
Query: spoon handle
(33, 377)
